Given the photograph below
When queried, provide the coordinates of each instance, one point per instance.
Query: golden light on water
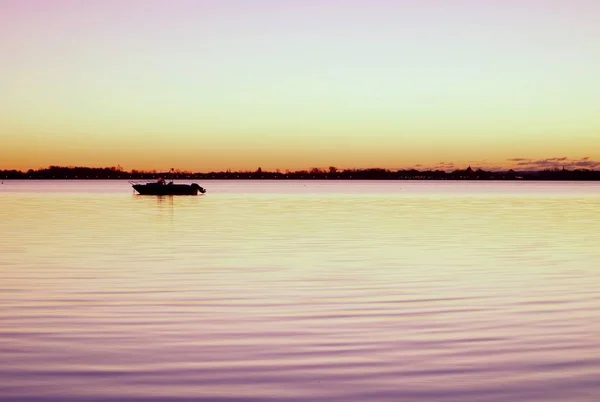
(312, 291)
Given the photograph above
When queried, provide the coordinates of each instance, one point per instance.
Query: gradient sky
(238, 84)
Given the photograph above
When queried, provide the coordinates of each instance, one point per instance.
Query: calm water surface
(300, 291)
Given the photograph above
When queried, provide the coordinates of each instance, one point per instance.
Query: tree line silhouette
(332, 173)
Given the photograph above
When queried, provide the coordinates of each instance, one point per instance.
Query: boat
(161, 188)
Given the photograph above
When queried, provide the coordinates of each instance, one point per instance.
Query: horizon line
(314, 170)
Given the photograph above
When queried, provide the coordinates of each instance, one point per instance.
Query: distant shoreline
(117, 173)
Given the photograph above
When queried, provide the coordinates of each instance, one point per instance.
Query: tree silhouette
(109, 173)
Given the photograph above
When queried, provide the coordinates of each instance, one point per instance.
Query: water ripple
(300, 292)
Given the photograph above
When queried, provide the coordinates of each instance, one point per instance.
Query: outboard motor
(199, 188)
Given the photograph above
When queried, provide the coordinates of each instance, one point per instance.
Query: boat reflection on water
(161, 188)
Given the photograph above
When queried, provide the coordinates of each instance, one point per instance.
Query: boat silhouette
(161, 188)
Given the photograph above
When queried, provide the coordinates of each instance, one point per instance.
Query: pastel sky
(217, 84)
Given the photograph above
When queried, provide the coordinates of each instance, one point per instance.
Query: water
(300, 291)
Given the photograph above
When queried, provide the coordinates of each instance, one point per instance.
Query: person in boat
(160, 181)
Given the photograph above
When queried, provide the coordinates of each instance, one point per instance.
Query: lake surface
(300, 291)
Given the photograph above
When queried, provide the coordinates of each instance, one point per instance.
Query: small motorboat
(161, 188)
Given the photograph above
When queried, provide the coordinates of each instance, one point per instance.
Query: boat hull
(168, 189)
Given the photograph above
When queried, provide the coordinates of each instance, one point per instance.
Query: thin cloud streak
(554, 163)
(519, 164)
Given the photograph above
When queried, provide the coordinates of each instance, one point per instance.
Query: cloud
(554, 163)
(517, 163)
(586, 164)
(443, 166)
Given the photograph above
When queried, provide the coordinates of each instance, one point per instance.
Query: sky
(291, 84)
